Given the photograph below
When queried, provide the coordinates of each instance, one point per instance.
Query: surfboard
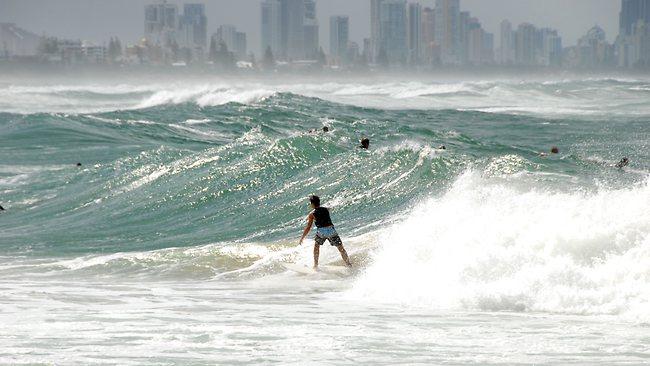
(303, 269)
(300, 268)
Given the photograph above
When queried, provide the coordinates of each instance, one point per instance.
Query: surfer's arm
(310, 222)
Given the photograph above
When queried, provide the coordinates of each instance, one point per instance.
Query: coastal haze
(156, 160)
(95, 20)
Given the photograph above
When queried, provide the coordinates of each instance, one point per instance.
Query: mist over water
(192, 193)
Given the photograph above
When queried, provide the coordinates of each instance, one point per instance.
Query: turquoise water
(167, 240)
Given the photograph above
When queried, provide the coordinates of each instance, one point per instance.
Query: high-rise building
(465, 22)
(290, 28)
(292, 15)
(593, 51)
(414, 34)
(507, 44)
(474, 41)
(550, 47)
(480, 44)
(367, 50)
(428, 34)
(161, 23)
(631, 12)
(633, 42)
(447, 21)
(339, 38)
(194, 26)
(271, 27)
(525, 41)
(392, 30)
(234, 40)
(241, 47)
(15, 41)
(375, 34)
(228, 35)
(310, 30)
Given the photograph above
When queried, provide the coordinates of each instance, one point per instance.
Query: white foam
(570, 97)
(487, 245)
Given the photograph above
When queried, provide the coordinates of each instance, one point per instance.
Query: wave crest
(489, 246)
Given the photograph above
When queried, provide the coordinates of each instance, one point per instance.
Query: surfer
(623, 163)
(324, 230)
(365, 143)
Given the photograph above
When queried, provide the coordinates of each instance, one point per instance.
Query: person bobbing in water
(324, 230)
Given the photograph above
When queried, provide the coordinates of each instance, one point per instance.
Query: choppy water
(165, 246)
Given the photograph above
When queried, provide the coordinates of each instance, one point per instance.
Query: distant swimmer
(623, 163)
(554, 150)
(365, 143)
(78, 164)
(326, 129)
(2, 208)
(324, 230)
(442, 147)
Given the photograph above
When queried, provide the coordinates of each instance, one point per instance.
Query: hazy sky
(97, 20)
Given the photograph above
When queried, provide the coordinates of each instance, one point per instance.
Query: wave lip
(489, 246)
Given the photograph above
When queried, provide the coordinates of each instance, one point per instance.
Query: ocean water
(165, 246)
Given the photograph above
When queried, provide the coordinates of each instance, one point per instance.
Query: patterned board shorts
(327, 233)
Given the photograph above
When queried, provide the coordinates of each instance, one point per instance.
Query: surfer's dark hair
(315, 200)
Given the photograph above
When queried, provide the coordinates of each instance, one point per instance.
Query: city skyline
(403, 34)
(45, 17)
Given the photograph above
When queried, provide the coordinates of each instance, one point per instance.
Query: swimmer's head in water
(326, 129)
(555, 150)
(314, 200)
(365, 143)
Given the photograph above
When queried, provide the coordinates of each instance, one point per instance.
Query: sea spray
(493, 246)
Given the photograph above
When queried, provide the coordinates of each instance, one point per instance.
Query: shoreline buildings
(403, 34)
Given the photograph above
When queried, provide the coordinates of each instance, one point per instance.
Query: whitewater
(165, 246)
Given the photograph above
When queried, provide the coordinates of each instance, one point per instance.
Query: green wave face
(185, 172)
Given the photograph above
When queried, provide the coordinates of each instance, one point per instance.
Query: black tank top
(322, 217)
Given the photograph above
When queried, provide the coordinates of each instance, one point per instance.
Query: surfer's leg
(336, 241)
(316, 254)
(344, 255)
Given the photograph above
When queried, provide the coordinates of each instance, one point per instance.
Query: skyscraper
(290, 28)
(339, 38)
(550, 48)
(631, 12)
(193, 26)
(161, 23)
(507, 44)
(464, 23)
(271, 29)
(240, 47)
(447, 34)
(633, 42)
(375, 20)
(292, 15)
(234, 40)
(392, 30)
(525, 38)
(428, 36)
(310, 26)
(414, 33)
